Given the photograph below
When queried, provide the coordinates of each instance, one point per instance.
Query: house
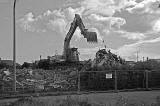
(8, 62)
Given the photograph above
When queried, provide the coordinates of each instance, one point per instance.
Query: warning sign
(109, 75)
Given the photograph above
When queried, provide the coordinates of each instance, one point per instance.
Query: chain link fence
(86, 81)
(118, 80)
(153, 79)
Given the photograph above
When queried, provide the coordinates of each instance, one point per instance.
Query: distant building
(8, 62)
(56, 58)
(131, 63)
(156, 60)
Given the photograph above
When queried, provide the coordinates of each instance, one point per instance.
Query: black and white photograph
(79, 52)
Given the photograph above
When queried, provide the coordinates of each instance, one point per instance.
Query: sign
(109, 75)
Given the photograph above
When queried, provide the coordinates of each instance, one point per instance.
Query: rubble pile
(63, 77)
(40, 79)
(106, 59)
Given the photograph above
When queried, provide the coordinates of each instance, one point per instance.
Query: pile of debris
(107, 59)
(38, 79)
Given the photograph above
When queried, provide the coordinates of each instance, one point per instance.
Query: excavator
(71, 54)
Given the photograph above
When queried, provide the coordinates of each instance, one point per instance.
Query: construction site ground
(146, 97)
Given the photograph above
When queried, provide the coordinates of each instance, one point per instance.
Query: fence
(113, 80)
(118, 80)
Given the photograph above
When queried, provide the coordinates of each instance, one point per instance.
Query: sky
(125, 26)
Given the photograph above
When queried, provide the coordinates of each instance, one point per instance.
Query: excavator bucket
(91, 36)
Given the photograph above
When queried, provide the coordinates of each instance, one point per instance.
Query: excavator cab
(73, 55)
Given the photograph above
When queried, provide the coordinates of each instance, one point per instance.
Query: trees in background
(147, 65)
(3, 65)
(25, 65)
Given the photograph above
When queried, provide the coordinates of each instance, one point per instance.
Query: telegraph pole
(143, 59)
(137, 56)
(14, 45)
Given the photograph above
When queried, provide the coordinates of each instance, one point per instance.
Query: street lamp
(14, 45)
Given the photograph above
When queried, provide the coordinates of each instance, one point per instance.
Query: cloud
(117, 21)
(146, 6)
(59, 22)
(33, 23)
(156, 25)
(129, 51)
(70, 12)
(106, 7)
(131, 35)
(58, 26)
(98, 18)
(105, 24)
(27, 22)
(151, 41)
(101, 11)
(103, 7)
(111, 21)
(126, 3)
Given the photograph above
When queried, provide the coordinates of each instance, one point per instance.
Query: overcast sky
(126, 26)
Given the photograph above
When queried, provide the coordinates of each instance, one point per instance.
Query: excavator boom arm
(90, 36)
(77, 22)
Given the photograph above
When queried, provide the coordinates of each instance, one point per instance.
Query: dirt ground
(146, 97)
(111, 98)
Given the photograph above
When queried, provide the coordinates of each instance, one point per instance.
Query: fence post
(146, 71)
(3, 86)
(79, 81)
(115, 81)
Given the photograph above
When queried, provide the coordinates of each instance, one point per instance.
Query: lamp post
(14, 45)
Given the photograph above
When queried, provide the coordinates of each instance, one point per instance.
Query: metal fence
(118, 80)
(86, 81)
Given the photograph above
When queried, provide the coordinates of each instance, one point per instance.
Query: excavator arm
(90, 36)
(77, 22)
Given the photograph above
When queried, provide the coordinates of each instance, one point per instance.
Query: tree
(3, 65)
(26, 65)
(44, 64)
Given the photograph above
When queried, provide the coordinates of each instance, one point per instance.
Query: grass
(108, 99)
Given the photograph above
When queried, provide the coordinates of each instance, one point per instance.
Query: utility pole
(143, 59)
(14, 45)
(104, 44)
(137, 56)
(40, 57)
(56, 52)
